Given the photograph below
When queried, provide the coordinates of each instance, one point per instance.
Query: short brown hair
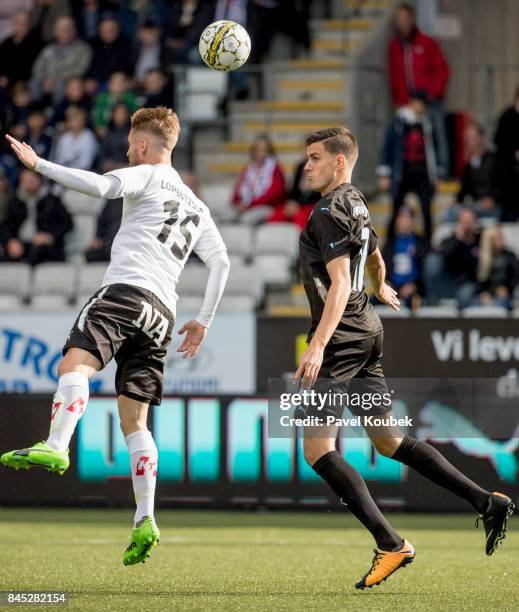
(337, 141)
(160, 121)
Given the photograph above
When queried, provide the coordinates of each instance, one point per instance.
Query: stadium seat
(238, 239)
(386, 312)
(54, 279)
(217, 196)
(511, 236)
(237, 304)
(192, 280)
(80, 204)
(49, 302)
(15, 280)
(201, 92)
(10, 302)
(515, 313)
(274, 269)
(277, 239)
(442, 232)
(437, 312)
(244, 280)
(83, 232)
(90, 278)
(488, 311)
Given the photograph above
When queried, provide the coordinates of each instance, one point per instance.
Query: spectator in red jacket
(416, 62)
(260, 188)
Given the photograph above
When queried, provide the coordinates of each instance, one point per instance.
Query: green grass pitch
(252, 561)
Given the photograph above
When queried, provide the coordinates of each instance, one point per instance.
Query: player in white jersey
(131, 317)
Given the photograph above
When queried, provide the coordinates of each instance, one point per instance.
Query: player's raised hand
(388, 295)
(23, 152)
(195, 333)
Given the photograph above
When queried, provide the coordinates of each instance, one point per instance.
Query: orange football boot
(386, 563)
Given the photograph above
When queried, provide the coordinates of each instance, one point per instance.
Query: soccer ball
(224, 45)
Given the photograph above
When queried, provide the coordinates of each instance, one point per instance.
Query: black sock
(426, 460)
(348, 484)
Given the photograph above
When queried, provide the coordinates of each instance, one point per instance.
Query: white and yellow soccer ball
(224, 45)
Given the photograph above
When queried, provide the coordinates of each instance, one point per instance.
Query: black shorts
(353, 367)
(133, 326)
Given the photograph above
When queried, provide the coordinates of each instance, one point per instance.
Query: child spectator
(75, 95)
(36, 135)
(77, 146)
(404, 255)
(105, 101)
(155, 91)
(115, 144)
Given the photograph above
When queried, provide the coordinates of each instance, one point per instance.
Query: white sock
(144, 461)
(68, 406)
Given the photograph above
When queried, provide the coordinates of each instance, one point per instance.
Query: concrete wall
(489, 37)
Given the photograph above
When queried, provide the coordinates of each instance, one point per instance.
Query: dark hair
(405, 6)
(337, 141)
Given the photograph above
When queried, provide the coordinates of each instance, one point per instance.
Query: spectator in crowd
(18, 52)
(112, 52)
(75, 95)
(187, 21)
(35, 225)
(113, 153)
(262, 20)
(301, 199)
(47, 14)
(77, 146)
(108, 224)
(60, 60)
(5, 193)
(409, 159)
(498, 269)
(507, 144)
(156, 91)
(479, 178)
(88, 13)
(19, 110)
(461, 257)
(37, 135)
(260, 188)
(404, 254)
(9, 8)
(416, 62)
(148, 51)
(106, 101)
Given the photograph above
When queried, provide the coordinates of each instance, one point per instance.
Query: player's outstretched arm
(89, 183)
(377, 273)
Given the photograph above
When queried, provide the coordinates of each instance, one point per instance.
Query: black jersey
(339, 224)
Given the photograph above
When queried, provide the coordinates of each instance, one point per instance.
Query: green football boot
(144, 537)
(39, 455)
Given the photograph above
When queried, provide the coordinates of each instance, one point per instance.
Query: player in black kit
(345, 342)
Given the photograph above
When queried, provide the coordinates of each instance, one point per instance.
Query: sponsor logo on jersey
(360, 211)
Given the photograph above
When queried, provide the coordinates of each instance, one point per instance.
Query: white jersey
(162, 223)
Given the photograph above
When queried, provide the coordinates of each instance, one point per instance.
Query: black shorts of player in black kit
(133, 326)
(354, 368)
